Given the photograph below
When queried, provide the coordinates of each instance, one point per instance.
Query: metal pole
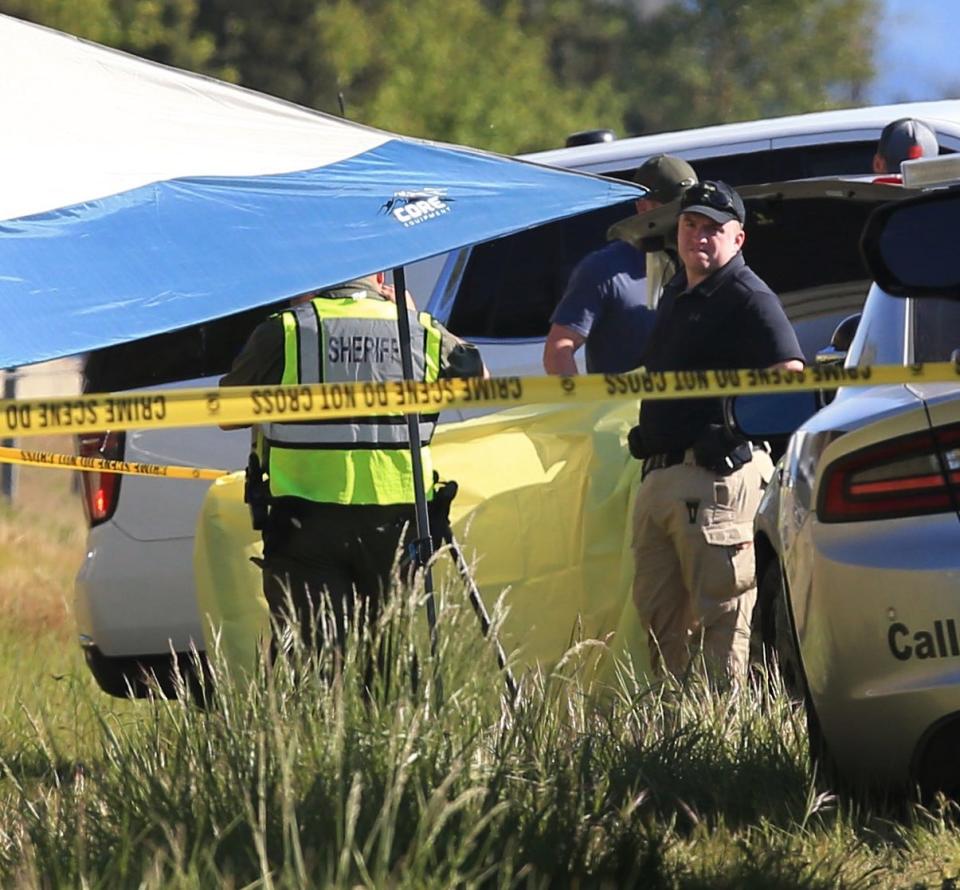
(424, 546)
(8, 472)
(476, 601)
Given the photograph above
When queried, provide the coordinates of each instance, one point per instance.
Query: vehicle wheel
(776, 630)
(122, 676)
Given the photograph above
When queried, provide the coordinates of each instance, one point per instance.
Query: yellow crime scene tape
(244, 405)
(26, 457)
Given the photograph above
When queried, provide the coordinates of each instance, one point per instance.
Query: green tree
(508, 75)
(162, 30)
(692, 63)
(587, 39)
(724, 60)
(276, 48)
(450, 70)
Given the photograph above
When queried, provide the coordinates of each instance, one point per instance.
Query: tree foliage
(509, 75)
(162, 30)
(725, 60)
(452, 70)
(492, 86)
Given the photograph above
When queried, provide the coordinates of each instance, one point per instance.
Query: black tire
(776, 630)
(124, 677)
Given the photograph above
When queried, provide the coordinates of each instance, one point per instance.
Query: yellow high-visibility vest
(355, 460)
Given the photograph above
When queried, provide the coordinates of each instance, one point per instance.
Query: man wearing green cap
(609, 297)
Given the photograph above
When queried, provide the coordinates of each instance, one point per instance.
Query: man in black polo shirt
(695, 580)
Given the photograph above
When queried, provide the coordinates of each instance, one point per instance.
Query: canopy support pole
(424, 543)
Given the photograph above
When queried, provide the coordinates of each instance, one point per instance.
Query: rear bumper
(136, 598)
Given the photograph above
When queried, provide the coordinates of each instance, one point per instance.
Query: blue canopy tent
(136, 198)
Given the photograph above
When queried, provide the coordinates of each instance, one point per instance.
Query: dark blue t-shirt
(605, 302)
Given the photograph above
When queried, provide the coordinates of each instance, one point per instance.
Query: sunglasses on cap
(714, 199)
(709, 194)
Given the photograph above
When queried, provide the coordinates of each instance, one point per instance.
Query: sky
(917, 51)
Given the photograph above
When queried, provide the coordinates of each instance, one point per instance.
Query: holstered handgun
(256, 492)
(635, 444)
(720, 451)
(439, 512)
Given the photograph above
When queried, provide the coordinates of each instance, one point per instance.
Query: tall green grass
(306, 775)
(315, 773)
(42, 677)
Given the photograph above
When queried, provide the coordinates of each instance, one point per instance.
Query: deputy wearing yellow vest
(341, 491)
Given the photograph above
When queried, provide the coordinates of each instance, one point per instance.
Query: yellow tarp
(543, 511)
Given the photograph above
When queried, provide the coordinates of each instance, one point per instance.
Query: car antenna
(340, 102)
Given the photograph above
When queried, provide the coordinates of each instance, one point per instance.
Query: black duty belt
(660, 461)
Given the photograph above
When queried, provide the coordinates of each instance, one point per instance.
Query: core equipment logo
(413, 208)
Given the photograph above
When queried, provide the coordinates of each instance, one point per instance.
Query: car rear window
(201, 350)
(511, 286)
(805, 243)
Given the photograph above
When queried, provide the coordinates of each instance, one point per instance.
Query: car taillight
(909, 476)
(100, 490)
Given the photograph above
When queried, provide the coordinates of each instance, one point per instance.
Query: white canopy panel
(81, 121)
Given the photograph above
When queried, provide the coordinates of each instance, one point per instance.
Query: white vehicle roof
(848, 124)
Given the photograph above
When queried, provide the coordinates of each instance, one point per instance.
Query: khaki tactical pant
(695, 575)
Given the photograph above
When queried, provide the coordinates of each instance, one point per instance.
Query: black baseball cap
(714, 199)
(665, 177)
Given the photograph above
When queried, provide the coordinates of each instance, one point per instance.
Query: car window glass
(201, 350)
(880, 337)
(814, 333)
(936, 329)
(833, 159)
(775, 165)
(795, 162)
(511, 286)
(805, 243)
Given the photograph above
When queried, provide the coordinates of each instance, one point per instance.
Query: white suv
(500, 295)
(135, 601)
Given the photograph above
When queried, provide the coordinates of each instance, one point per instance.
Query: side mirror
(910, 246)
(840, 342)
(772, 416)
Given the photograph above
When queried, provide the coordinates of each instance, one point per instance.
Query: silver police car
(857, 538)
